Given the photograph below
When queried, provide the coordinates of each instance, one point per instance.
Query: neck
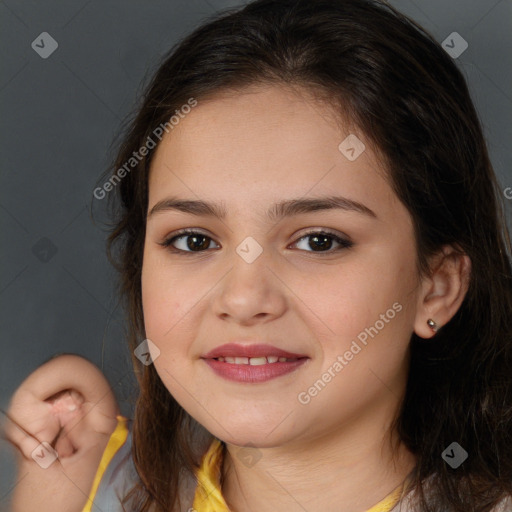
(357, 465)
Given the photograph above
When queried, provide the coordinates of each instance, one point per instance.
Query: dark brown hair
(408, 98)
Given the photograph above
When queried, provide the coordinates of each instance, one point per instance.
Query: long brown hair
(407, 96)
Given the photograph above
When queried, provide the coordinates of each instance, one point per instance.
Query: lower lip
(253, 373)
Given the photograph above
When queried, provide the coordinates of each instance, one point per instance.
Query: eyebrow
(275, 213)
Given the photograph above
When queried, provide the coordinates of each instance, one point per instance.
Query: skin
(68, 403)
(248, 150)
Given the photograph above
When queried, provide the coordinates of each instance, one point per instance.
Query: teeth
(255, 361)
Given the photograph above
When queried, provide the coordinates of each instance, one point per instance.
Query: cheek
(170, 299)
(347, 302)
(160, 303)
(348, 297)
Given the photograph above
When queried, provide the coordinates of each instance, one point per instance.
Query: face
(330, 290)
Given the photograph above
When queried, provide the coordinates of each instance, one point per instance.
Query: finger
(32, 446)
(74, 432)
(64, 446)
(73, 373)
(32, 415)
(67, 407)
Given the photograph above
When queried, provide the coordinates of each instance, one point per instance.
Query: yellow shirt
(116, 440)
(208, 497)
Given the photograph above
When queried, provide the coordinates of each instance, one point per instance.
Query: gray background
(59, 117)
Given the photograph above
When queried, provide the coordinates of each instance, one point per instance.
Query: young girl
(317, 272)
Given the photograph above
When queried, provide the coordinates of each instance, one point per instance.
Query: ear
(443, 291)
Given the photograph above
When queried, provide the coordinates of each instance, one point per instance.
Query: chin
(257, 432)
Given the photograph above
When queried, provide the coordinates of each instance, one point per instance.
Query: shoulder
(116, 473)
(410, 502)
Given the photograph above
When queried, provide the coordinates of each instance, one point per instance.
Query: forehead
(265, 143)
(257, 121)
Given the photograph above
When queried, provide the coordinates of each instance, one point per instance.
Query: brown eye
(194, 241)
(322, 241)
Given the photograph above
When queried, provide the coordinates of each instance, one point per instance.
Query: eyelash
(344, 244)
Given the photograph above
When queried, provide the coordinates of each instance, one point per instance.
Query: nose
(250, 292)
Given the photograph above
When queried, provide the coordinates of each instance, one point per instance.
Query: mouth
(252, 363)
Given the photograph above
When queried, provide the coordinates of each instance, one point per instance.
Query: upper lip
(253, 350)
